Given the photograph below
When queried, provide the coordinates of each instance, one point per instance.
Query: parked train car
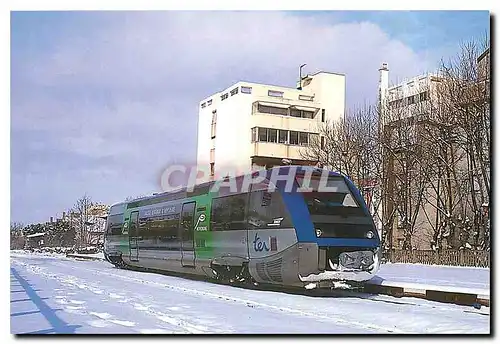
(279, 236)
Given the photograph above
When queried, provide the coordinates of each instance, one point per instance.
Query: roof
(243, 82)
(322, 71)
(486, 52)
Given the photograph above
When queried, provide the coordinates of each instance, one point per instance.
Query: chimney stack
(384, 77)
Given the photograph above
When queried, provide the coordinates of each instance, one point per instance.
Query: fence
(445, 257)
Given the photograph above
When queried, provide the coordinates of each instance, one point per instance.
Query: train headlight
(370, 235)
(318, 232)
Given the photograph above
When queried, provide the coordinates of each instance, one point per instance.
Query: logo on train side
(259, 245)
(276, 222)
(125, 227)
(201, 218)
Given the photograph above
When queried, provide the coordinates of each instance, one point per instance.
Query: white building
(411, 96)
(249, 126)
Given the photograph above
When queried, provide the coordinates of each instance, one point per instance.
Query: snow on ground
(99, 255)
(446, 276)
(63, 295)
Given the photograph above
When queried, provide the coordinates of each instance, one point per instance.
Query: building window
(214, 124)
(246, 89)
(272, 93)
(234, 91)
(212, 130)
(322, 142)
(263, 134)
(295, 113)
(212, 168)
(307, 114)
(272, 110)
(303, 139)
(411, 100)
(224, 96)
(424, 96)
(322, 115)
(301, 113)
(272, 135)
(209, 102)
(283, 136)
(203, 105)
(307, 98)
(212, 154)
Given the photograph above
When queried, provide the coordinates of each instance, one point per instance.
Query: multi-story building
(249, 125)
(402, 108)
(410, 113)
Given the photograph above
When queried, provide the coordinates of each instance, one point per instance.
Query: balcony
(287, 101)
(276, 150)
(285, 122)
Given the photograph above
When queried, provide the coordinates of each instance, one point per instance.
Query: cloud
(127, 87)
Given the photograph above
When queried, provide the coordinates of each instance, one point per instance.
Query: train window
(169, 237)
(160, 232)
(114, 224)
(228, 213)
(336, 200)
(267, 210)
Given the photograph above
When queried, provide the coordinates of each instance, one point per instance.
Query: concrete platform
(441, 293)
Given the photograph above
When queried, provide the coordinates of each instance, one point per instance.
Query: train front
(337, 238)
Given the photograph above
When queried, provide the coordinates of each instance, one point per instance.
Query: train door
(187, 233)
(133, 234)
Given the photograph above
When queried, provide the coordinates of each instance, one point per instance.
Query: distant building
(403, 107)
(249, 126)
(35, 240)
(406, 110)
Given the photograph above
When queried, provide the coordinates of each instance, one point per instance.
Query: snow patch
(123, 322)
(115, 296)
(310, 286)
(184, 325)
(140, 307)
(98, 323)
(102, 315)
(155, 331)
(77, 302)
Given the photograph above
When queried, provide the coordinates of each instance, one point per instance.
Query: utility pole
(300, 76)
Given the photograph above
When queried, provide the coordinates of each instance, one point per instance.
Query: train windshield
(329, 197)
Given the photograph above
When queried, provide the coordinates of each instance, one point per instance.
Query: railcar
(270, 231)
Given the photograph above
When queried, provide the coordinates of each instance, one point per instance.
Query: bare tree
(16, 235)
(350, 146)
(464, 98)
(82, 221)
(428, 153)
(405, 162)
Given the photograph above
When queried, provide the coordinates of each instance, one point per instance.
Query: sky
(103, 102)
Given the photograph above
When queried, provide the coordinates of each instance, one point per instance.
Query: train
(292, 226)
